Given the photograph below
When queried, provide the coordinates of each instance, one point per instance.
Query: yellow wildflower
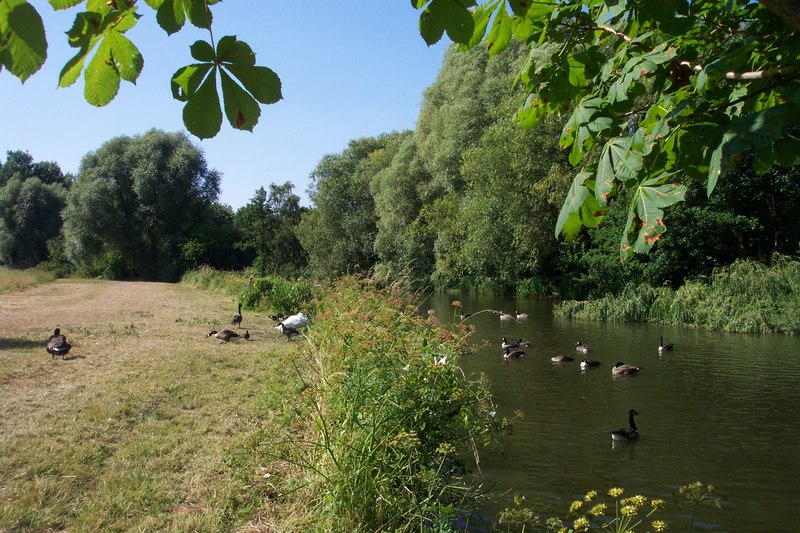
(616, 492)
(581, 524)
(590, 495)
(576, 505)
(628, 510)
(659, 525)
(636, 501)
(657, 503)
(598, 510)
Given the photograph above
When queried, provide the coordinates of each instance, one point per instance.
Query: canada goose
(288, 331)
(664, 347)
(629, 433)
(521, 316)
(465, 316)
(57, 344)
(506, 316)
(586, 363)
(225, 335)
(524, 343)
(516, 354)
(278, 317)
(581, 347)
(237, 318)
(505, 344)
(246, 335)
(622, 369)
(561, 358)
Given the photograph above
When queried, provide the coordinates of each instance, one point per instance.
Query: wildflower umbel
(616, 492)
(659, 525)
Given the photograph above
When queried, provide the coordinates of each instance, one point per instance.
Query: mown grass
(746, 297)
(13, 279)
(147, 425)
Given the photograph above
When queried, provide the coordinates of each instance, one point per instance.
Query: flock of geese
(288, 325)
(511, 350)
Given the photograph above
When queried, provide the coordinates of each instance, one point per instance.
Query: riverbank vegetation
(14, 279)
(745, 297)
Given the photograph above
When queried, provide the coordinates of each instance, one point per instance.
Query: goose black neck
(631, 422)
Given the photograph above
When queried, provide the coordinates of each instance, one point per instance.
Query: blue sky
(349, 69)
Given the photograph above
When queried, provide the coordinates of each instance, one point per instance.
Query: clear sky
(349, 69)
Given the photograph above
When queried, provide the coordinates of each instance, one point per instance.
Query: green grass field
(147, 425)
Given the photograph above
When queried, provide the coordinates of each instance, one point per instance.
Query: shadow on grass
(7, 344)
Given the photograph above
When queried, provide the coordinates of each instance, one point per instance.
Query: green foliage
(134, 205)
(14, 279)
(674, 95)
(106, 56)
(393, 413)
(339, 233)
(30, 209)
(278, 295)
(268, 224)
(746, 297)
(213, 280)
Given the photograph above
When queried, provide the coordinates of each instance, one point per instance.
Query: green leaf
(202, 51)
(231, 50)
(24, 46)
(186, 80)
(171, 16)
(85, 27)
(452, 16)
(202, 114)
(69, 74)
(59, 5)
(241, 109)
(646, 214)
(261, 82)
(519, 7)
(500, 35)
(198, 14)
(569, 219)
(101, 78)
(125, 56)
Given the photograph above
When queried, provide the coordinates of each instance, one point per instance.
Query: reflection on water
(719, 408)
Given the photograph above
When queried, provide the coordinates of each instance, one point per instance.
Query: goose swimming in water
(506, 316)
(561, 358)
(629, 433)
(664, 347)
(505, 344)
(509, 354)
(581, 347)
(225, 335)
(237, 318)
(521, 316)
(586, 363)
(623, 369)
(57, 344)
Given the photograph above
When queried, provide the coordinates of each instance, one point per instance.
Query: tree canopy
(135, 201)
(667, 93)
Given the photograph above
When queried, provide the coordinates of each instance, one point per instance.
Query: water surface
(719, 408)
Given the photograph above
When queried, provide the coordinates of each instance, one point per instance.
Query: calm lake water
(719, 408)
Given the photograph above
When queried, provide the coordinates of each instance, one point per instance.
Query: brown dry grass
(147, 424)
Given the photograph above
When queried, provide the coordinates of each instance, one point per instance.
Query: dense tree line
(467, 199)
(142, 207)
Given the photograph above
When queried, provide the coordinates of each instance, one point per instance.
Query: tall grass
(745, 297)
(270, 293)
(13, 280)
(393, 412)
